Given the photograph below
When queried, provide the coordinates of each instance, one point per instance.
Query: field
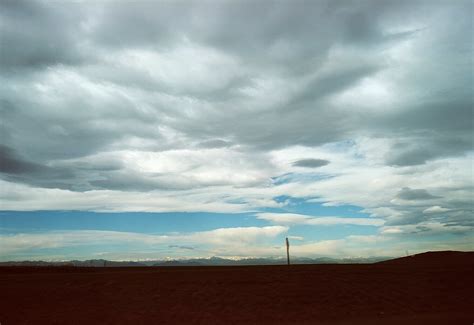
(430, 290)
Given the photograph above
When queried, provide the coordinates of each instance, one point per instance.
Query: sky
(163, 130)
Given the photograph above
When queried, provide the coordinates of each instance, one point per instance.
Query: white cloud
(299, 238)
(435, 209)
(376, 245)
(231, 242)
(292, 218)
(221, 240)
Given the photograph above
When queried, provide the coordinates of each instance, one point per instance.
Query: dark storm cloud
(311, 163)
(37, 34)
(12, 163)
(407, 193)
(439, 128)
(82, 175)
(15, 168)
(418, 150)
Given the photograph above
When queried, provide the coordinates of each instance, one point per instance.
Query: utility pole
(287, 251)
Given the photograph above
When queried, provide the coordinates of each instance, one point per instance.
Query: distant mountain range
(438, 257)
(213, 261)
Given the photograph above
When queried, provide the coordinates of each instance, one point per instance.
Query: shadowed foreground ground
(397, 292)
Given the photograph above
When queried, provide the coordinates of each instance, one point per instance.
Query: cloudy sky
(149, 130)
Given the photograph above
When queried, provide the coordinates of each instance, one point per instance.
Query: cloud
(376, 245)
(222, 239)
(292, 218)
(11, 163)
(435, 209)
(233, 243)
(427, 228)
(311, 163)
(278, 72)
(215, 143)
(299, 238)
(181, 247)
(31, 37)
(412, 153)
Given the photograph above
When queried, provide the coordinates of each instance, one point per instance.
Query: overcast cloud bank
(223, 107)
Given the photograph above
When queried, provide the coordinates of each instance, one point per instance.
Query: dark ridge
(435, 258)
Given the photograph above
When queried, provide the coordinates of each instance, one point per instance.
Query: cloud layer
(224, 107)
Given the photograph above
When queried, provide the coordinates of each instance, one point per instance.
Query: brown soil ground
(401, 292)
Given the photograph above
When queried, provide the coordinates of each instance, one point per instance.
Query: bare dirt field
(439, 290)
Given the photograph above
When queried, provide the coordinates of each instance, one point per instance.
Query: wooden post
(287, 251)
